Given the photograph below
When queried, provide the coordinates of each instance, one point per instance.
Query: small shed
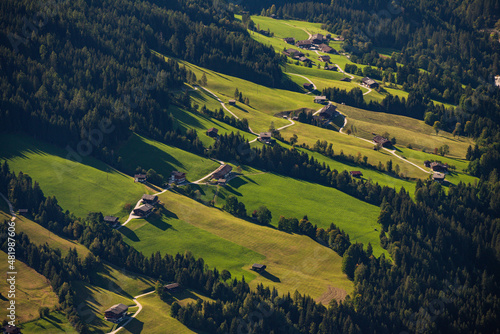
(140, 177)
(212, 132)
(439, 177)
(320, 99)
(308, 85)
(172, 287)
(324, 59)
(232, 102)
(258, 267)
(111, 220)
(384, 142)
(149, 199)
(356, 173)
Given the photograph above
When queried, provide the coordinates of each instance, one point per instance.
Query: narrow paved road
(226, 108)
(314, 86)
(286, 126)
(352, 77)
(208, 175)
(138, 204)
(135, 314)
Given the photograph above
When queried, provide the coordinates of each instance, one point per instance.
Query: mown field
(155, 315)
(171, 235)
(32, 291)
(294, 262)
(39, 235)
(148, 153)
(89, 186)
(55, 322)
(294, 198)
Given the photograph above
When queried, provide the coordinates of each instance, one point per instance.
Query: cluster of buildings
(316, 42)
(222, 174)
(438, 168)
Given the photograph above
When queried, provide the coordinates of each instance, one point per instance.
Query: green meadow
(171, 235)
(89, 186)
(148, 153)
(235, 244)
(288, 197)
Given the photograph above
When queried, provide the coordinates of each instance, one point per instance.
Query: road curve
(138, 204)
(135, 314)
(314, 86)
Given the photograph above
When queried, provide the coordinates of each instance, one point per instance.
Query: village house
(289, 40)
(10, 329)
(427, 163)
(144, 210)
(177, 177)
(116, 313)
(384, 142)
(439, 177)
(368, 82)
(438, 167)
(293, 53)
(331, 68)
(222, 172)
(306, 44)
(308, 85)
(326, 49)
(324, 59)
(328, 111)
(320, 99)
(317, 38)
(140, 178)
(304, 59)
(266, 138)
(111, 221)
(149, 199)
(232, 102)
(212, 132)
(356, 173)
(172, 287)
(346, 79)
(258, 267)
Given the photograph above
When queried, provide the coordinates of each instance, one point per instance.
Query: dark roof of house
(438, 164)
(438, 176)
(289, 39)
(355, 173)
(11, 329)
(329, 110)
(140, 176)
(380, 140)
(213, 130)
(325, 48)
(172, 286)
(265, 135)
(293, 51)
(111, 219)
(145, 208)
(324, 57)
(323, 98)
(304, 42)
(223, 169)
(346, 79)
(368, 81)
(308, 84)
(258, 266)
(232, 101)
(330, 67)
(117, 309)
(149, 197)
(304, 59)
(317, 36)
(178, 174)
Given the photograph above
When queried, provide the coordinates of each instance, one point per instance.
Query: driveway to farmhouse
(226, 108)
(135, 314)
(132, 216)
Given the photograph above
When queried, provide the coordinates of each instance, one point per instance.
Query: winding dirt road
(135, 314)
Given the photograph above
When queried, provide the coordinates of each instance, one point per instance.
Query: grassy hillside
(322, 205)
(171, 235)
(33, 291)
(406, 130)
(39, 235)
(109, 287)
(55, 322)
(148, 153)
(84, 187)
(155, 316)
(294, 262)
